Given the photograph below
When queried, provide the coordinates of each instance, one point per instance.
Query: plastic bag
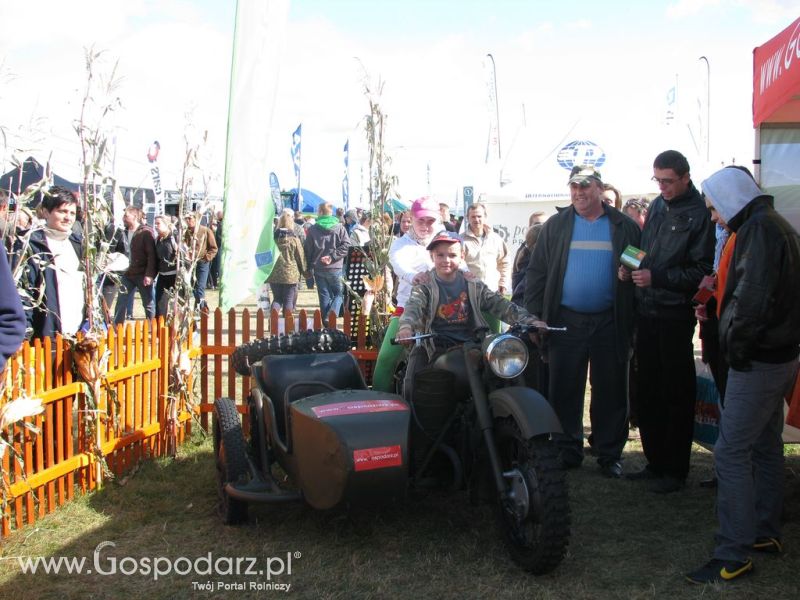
(706, 409)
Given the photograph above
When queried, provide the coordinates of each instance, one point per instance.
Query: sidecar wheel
(536, 525)
(230, 454)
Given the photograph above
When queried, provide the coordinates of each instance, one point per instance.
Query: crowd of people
(628, 330)
(569, 273)
(46, 250)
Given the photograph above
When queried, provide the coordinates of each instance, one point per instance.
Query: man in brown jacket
(202, 248)
(140, 242)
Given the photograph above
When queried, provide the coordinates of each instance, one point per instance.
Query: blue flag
(275, 190)
(296, 150)
(346, 180)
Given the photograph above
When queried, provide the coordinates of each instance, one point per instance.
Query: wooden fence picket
(132, 410)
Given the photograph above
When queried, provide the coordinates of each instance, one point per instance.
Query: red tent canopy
(776, 78)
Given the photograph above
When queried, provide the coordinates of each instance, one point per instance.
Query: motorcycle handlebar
(413, 338)
(517, 328)
(534, 329)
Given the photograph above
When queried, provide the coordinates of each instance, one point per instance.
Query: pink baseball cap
(425, 207)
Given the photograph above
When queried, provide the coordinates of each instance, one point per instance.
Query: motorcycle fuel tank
(351, 446)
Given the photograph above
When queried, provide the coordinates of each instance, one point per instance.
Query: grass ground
(626, 543)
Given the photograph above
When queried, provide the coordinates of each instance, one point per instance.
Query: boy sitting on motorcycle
(451, 306)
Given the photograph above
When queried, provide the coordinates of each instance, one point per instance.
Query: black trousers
(666, 393)
(589, 338)
(712, 355)
(163, 283)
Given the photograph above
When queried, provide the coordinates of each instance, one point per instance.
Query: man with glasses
(678, 238)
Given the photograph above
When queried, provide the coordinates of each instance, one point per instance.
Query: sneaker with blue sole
(720, 571)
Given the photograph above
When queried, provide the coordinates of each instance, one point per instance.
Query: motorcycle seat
(287, 378)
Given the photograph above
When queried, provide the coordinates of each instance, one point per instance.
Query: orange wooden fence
(132, 419)
(221, 333)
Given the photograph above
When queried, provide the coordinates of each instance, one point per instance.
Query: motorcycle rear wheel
(537, 540)
(230, 454)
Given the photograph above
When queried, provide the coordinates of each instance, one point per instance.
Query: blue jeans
(128, 287)
(330, 290)
(200, 280)
(748, 457)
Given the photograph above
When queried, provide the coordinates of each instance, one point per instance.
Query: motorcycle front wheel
(534, 517)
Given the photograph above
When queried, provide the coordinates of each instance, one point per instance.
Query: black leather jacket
(678, 237)
(546, 268)
(760, 317)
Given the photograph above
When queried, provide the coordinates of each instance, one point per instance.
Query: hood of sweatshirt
(730, 190)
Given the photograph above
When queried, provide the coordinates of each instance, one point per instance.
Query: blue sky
(581, 70)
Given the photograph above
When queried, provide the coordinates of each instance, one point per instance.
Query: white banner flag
(151, 210)
(248, 251)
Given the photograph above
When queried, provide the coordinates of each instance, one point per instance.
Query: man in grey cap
(350, 220)
(571, 281)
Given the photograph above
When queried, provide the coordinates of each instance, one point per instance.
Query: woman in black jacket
(167, 256)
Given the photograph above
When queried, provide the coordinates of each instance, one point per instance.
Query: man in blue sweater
(572, 281)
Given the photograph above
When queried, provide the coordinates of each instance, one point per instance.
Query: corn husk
(367, 301)
(85, 357)
(184, 363)
(19, 409)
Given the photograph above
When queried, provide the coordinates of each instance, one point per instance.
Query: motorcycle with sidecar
(463, 421)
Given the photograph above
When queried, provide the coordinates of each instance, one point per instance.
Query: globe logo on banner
(581, 152)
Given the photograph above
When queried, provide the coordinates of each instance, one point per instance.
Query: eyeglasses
(666, 181)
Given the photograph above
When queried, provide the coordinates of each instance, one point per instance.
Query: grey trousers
(748, 457)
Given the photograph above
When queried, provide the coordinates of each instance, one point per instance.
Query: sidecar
(312, 417)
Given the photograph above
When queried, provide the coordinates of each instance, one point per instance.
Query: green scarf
(327, 222)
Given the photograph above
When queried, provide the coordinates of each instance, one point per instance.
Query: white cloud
(579, 25)
(172, 62)
(166, 68)
(777, 12)
(687, 8)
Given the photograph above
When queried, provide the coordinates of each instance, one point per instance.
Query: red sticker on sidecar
(358, 407)
(377, 458)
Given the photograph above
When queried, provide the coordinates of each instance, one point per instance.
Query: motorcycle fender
(528, 408)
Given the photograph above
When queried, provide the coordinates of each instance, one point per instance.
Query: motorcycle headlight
(507, 356)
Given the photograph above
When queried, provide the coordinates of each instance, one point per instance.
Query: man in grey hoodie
(759, 332)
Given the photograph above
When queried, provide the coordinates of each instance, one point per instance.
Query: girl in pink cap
(410, 260)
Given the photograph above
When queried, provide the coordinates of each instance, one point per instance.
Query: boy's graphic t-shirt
(453, 320)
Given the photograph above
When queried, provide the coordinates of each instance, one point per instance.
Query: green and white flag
(248, 249)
